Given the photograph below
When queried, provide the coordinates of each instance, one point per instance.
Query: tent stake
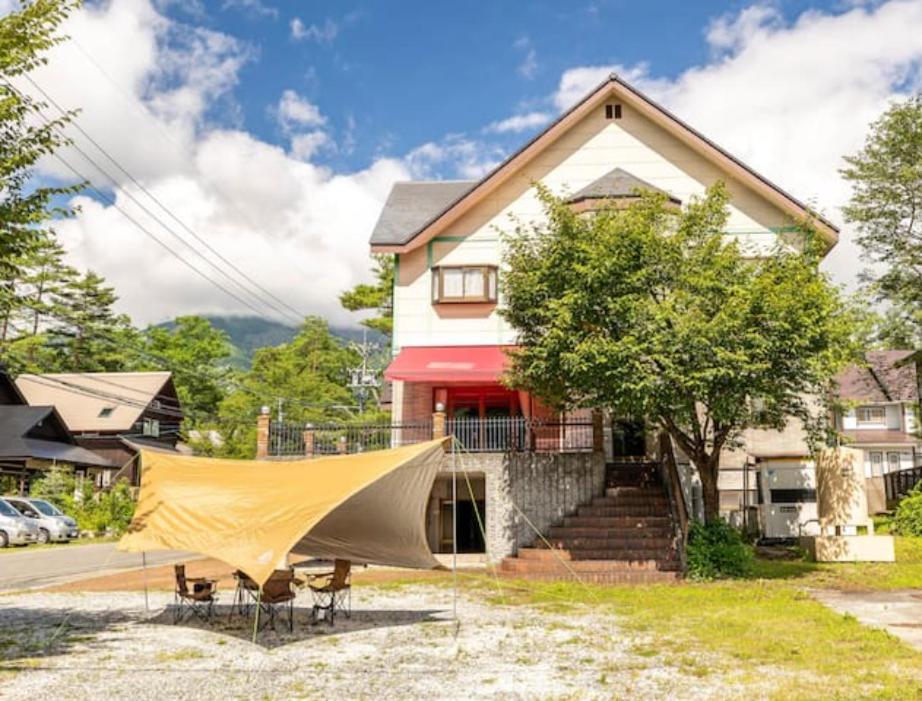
(144, 571)
(259, 603)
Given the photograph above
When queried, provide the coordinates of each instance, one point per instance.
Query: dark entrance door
(470, 537)
(628, 438)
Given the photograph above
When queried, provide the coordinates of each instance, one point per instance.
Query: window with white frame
(463, 283)
(151, 428)
(871, 415)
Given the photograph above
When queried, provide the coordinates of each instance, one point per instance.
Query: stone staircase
(623, 537)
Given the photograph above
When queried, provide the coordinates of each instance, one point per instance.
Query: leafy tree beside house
(654, 313)
(376, 296)
(886, 207)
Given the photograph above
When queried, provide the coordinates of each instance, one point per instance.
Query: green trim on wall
(394, 300)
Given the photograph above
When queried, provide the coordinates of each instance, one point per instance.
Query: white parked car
(15, 529)
(53, 525)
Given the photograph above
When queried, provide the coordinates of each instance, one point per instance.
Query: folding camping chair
(277, 595)
(244, 595)
(199, 601)
(332, 591)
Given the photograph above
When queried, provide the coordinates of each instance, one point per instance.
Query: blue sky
(393, 75)
(276, 129)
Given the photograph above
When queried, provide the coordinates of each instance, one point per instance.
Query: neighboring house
(34, 439)
(449, 339)
(112, 413)
(881, 415)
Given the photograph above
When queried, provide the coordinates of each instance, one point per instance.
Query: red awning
(448, 364)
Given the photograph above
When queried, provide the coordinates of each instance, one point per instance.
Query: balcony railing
(898, 484)
(488, 435)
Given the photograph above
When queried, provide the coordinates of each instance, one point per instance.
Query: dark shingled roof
(412, 205)
(19, 430)
(884, 379)
(616, 184)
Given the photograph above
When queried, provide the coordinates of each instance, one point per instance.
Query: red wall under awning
(448, 364)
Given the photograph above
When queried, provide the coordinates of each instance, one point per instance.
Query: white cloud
(321, 33)
(251, 7)
(293, 111)
(528, 68)
(519, 122)
(469, 159)
(299, 229)
(790, 99)
(305, 146)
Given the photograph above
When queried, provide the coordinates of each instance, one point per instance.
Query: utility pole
(364, 379)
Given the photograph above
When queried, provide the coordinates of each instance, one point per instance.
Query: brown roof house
(34, 438)
(112, 414)
(881, 413)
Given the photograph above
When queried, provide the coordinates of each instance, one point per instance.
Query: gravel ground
(401, 643)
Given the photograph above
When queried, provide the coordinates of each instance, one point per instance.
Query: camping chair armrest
(320, 575)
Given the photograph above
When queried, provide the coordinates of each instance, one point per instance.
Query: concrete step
(593, 542)
(613, 578)
(515, 565)
(660, 554)
(633, 492)
(624, 510)
(615, 521)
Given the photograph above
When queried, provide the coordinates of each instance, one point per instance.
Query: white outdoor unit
(787, 499)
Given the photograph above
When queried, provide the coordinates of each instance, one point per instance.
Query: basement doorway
(441, 510)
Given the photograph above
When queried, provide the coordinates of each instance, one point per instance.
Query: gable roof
(885, 378)
(98, 401)
(411, 205)
(19, 423)
(613, 86)
(616, 184)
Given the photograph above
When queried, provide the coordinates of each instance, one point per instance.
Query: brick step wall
(625, 536)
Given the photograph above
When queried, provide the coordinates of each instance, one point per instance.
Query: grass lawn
(767, 621)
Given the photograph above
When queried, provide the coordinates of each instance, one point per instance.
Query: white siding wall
(591, 149)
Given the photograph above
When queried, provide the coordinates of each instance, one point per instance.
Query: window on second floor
(463, 283)
(151, 428)
(871, 415)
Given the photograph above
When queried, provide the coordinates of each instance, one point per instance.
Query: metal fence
(518, 434)
(897, 484)
(311, 440)
(489, 435)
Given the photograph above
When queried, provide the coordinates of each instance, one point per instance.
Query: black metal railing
(898, 484)
(313, 440)
(500, 434)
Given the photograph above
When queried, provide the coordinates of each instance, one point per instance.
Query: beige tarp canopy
(368, 507)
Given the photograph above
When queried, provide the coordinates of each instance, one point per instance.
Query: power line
(157, 219)
(297, 315)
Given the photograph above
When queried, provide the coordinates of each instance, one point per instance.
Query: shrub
(717, 550)
(908, 517)
(109, 510)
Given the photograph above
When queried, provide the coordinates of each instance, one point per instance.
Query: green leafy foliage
(908, 517)
(716, 550)
(886, 177)
(655, 313)
(377, 296)
(104, 511)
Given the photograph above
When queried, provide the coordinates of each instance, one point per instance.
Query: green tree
(377, 296)
(88, 334)
(309, 374)
(25, 136)
(656, 314)
(886, 206)
(197, 354)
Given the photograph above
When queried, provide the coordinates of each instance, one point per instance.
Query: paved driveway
(38, 567)
(899, 611)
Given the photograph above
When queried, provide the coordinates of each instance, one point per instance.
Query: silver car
(53, 525)
(15, 529)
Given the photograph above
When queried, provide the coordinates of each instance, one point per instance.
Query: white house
(449, 338)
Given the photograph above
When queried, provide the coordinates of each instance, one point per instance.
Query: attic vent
(612, 111)
(106, 412)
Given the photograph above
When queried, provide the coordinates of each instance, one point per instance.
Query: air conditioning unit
(787, 499)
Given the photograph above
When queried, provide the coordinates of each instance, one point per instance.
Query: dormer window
(453, 284)
(871, 415)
